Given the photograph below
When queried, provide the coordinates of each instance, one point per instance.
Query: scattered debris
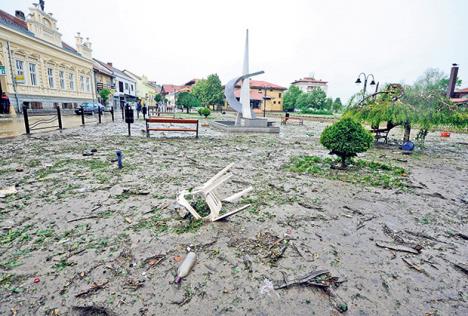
(154, 260)
(186, 266)
(463, 267)
(89, 311)
(94, 288)
(464, 236)
(7, 191)
(362, 222)
(397, 247)
(208, 191)
(267, 288)
(413, 266)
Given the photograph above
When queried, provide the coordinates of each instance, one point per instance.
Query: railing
(35, 125)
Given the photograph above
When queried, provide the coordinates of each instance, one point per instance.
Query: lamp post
(366, 78)
(265, 98)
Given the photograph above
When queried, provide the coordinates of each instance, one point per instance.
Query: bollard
(26, 119)
(122, 111)
(99, 114)
(59, 117)
(112, 113)
(82, 116)
(119, 158)
(129, 117)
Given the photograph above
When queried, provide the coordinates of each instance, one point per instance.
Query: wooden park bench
(168, 120)
(285, 119)
(380, 133)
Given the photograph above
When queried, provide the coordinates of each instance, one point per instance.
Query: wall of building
(36, 83)
(275, 104)
(309, 87)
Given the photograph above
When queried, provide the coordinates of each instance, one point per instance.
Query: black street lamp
(265, 98)
(366, 78)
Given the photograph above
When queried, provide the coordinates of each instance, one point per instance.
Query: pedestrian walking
(138, 108)
(4, 104)
(144, 110)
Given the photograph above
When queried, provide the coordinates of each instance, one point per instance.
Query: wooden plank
(173, 129)
(170, 120)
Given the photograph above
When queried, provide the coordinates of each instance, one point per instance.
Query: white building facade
(309, 84)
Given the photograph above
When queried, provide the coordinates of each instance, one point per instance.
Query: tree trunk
(406, 137)
(343, 162)
(187, 110)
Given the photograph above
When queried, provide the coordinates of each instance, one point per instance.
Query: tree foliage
(104, 94)
(187, 101)
(209, 91)
(203, 111)
(423, 104)
(309, 102)
(345, 139)
(290, 98)
(158, 98)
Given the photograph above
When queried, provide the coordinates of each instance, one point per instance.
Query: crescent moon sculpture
(231, 97)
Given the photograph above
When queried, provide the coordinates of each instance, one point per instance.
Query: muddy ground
(81, 237)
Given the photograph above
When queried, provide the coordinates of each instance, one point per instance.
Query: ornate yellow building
(37, 69)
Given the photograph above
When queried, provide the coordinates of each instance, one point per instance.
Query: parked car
(90, 108)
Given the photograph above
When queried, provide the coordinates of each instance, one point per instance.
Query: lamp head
(358, 81)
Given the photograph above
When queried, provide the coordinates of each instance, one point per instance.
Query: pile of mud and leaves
(79, 236)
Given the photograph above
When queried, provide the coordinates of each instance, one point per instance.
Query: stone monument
(245, 119)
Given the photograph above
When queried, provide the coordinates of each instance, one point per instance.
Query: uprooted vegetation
(363, 172)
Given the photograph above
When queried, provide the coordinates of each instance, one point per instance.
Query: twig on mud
(355, 211)
(413, 266)
(464, 236)
(297, 250)
(304, 280)
(423, 235)
(154, 260)
(392, 234)
(397, 247)
(461, 266)
(362, 222)
(94, 288)
(86, 217)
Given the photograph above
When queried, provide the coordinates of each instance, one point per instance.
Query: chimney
(79, 41)
(20, 15)
(110, 64)
(452, 81)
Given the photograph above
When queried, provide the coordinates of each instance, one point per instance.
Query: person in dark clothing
(144, 110)
(138, 108)
(4, 104)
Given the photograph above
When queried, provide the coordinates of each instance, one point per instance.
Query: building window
(274, 102)
(121, 89)
(88, 84)
(19, 71)
(279, 95)
(62, 80)
(279, 102)
(50, 76)
(131, 87)
(81, 83)
(72, 81)
(126, 86)
(36, 105)
(32, 74)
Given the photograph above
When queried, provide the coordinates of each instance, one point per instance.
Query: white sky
(173, 41)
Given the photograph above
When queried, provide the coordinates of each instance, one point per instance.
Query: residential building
(308, 84)
(263, 96)
(169, 91)
(144, 90)
(125, 86)
(104, 79)
(39, 70)
(457, 96)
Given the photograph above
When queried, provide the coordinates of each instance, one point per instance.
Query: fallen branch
(413, 266)
(423, 235)
(86, 217)
(94, 288)
(464, 236)
(362, 222)
(304, 280)
(154, 260)
(461, 266)
(397, 247)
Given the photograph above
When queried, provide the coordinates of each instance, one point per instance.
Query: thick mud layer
(81, 237)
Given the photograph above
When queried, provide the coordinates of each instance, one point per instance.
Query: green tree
(345, 139)
(158, 98)
(328, 104)
(204, 112)
(209, 91)
(187, 101)
(104, 94)
(315, 100)
(290, 98)
(337, 105)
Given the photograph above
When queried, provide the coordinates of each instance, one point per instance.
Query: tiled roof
(309, 80)
(254, 95)
(459, 100)
(69, 48)
(257, 84)
(15, 23)
(464, 90)
(100, 68)
(170, 88)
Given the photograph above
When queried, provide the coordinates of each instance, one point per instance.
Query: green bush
(345, 139)
(204, 112)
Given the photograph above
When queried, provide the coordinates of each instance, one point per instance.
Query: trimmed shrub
(204, 112)
(345, 139)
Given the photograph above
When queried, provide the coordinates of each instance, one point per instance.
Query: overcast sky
(173, 41)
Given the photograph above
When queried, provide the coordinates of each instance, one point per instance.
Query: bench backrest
(170, 120)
